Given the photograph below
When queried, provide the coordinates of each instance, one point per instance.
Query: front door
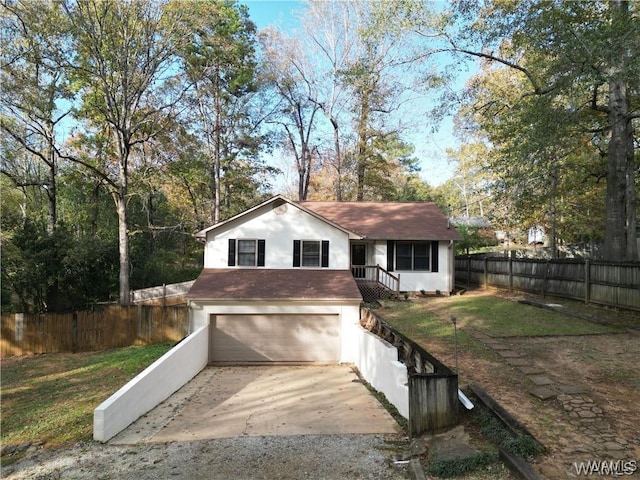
(358, 258)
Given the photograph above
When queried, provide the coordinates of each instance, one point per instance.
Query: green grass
(487, 314)
(423, 326)
(461, 466)
(500, 435)
(504, 318)
(50, 398)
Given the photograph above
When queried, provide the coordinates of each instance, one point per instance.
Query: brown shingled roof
(274, 284)
(388, 220)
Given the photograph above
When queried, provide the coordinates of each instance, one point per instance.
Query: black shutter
(231, 260)
(296, 253)
(325, 254)
(261, 253)
(434, 256)
(390, 253)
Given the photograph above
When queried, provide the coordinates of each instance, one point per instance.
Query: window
(246, 253)
(311, 253)
(413, 255)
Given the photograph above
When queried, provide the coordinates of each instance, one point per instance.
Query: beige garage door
(275, 338)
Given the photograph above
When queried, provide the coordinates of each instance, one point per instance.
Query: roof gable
(388, 220)
(274, 202)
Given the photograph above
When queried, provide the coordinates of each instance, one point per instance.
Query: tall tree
(331, 38)
(36, 94)
(125, 67)
(220, 63)
(579, 59)
(381, 61)
(296, 112)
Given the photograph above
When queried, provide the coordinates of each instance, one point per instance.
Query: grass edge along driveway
(50, 398)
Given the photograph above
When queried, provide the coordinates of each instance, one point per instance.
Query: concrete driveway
(228, 402)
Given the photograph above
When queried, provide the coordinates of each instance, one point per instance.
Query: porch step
(373, 291)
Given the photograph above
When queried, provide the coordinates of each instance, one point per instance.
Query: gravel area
(329, 457)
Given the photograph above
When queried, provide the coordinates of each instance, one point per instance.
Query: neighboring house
(281, 280)
(536, 235)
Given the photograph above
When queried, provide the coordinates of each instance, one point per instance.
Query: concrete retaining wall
(155, 384)
(378, 363)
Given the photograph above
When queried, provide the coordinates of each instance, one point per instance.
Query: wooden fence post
(19, 328)
(74, 332)
(544, 280)
(486, 274)
(510, 274)
(468, 270)
(139, 323)
(587, 280)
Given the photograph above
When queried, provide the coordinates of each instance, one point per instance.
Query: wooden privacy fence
(172, 294)
(603, 283)
(108, 327)
(433, 387)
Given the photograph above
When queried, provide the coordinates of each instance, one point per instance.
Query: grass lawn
(415, 320)
(50, 398)
(490, 315)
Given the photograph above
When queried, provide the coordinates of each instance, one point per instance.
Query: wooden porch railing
(377, 275)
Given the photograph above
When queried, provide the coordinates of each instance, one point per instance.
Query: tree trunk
(95, 208)
(121, 206)
(304, 171)
(123, 246)
(216, 148)
(361, 168)
(338, 159)
(620, 237)
(554, 192)
(52, 214)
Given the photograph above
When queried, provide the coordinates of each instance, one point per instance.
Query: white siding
(278, 228)
(441, 280)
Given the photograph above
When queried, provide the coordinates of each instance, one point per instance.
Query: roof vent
(279, 206)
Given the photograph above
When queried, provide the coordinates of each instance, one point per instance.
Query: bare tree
(297, 106)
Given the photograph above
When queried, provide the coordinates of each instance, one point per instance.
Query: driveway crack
(247, 425)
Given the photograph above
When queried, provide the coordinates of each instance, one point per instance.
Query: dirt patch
(592, 413)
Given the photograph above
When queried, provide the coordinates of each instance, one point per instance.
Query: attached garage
(274, 338)
(262, 316)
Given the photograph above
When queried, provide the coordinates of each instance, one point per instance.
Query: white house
(283, 280)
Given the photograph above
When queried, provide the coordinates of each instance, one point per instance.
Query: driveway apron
(228, 402)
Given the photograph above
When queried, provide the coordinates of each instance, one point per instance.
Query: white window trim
(319, 243)
(255, 252)
(412, 243)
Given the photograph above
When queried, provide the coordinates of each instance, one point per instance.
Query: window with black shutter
(246, 253)
(416, 256)
(231, 258)
(311, 253)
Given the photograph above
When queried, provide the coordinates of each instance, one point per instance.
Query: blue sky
(273, 12)
(430, 148)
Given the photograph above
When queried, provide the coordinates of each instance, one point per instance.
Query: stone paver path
(589, 419)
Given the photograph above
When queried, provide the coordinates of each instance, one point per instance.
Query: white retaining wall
(155, 384)
(377, 361)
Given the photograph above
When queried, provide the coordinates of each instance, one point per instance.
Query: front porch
(375, 282)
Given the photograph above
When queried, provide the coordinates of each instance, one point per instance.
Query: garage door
(275, 338)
